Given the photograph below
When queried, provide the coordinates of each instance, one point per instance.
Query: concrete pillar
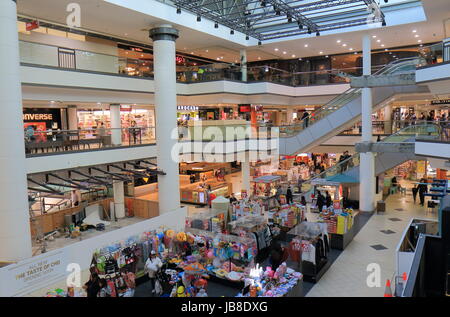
(367, 160)
(116, 124)
(164, 37)
(119, 199)
(243, 54)
(72, 118)
(245, 173)
(15, 236)
(388, 119)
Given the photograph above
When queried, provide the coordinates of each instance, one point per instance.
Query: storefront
(186, 113)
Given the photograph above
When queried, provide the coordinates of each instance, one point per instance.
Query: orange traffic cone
(387, 290)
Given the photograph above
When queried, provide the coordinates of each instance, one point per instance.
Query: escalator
(349, 169)
(344, 111)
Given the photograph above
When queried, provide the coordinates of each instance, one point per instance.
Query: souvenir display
(268, 283)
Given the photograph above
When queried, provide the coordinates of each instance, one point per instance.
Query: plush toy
(180, 292)
(181, 236)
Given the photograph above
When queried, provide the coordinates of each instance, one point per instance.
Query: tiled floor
(348, 274)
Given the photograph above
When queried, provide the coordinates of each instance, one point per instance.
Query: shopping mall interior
(217, 148)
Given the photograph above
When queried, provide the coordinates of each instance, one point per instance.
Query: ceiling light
(276, 49)
(321, 53)
(259, 57)
(344, 45)
(374, 36)
(338, 41)
(306, 45)
(378, 41)
(382, 45)
(419, 41)
(414, 31)
(293, 56)
(207, 51)
(351, 49)
(417, 35)
(192, 53)
(217, 58)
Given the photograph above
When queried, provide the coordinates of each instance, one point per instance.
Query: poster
(421, 167)
(38, 272)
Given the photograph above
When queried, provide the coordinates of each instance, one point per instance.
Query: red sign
(180, 59)
(32, 25)
(245, 109)
(125, 108)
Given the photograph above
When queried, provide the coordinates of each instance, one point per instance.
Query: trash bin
(381, 206)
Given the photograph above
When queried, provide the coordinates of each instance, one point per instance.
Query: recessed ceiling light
(192, 52)
(284, 52)
(351, 49)
(419, 41)
(374, 36)
(320, 52)
(344, 45)
(207, 51)
(276, 49)
(378, 41)
(382, 45)
(259, 57)
(338, 41)
(217, 58)
(414, 31)
(293, 56)
(417, 35)
(306, 45)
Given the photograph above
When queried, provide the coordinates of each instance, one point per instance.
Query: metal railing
(56, 141)
(400, 66)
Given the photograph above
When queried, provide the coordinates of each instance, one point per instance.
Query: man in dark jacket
(422, 188)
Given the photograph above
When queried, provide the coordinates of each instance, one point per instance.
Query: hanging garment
(308, 252)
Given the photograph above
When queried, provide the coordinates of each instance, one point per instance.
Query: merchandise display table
(341, 241)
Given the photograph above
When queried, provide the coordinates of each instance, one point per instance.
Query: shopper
(320, 201)
(92, 287)
(414, 192)
(233, 198)
(343, 158)
(276, 255)
(328, 199)
(394, 182)
(422, 188)
(289, 195)
(134, 131)
(305, 119)
(303, 201)
(152, 266)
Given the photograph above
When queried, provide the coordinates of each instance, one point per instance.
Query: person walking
(320, 201)
(422, 188)
(328, 199)
(152, 266)
(305, 119)
(289, 195)
(92, 287)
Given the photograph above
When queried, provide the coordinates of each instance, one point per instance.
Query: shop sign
(35, 273)
(180, 59)
(244, 108)
(33, 25)
(440, 102)
(125, 108)
(189, 108)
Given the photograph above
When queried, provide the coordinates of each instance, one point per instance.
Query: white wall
(433, 149)
(73, 160)
(80, 253)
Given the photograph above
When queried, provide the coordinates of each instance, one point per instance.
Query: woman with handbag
(152, 266)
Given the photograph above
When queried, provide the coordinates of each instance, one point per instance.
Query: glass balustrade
(57, 141)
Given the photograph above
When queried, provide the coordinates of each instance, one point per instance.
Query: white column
(245, 174)
(388, 119)
(243, 54)
(367, 161)
(116, 124)
(15, 236)
(164, 38)
(72, 118)
(119, 200)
